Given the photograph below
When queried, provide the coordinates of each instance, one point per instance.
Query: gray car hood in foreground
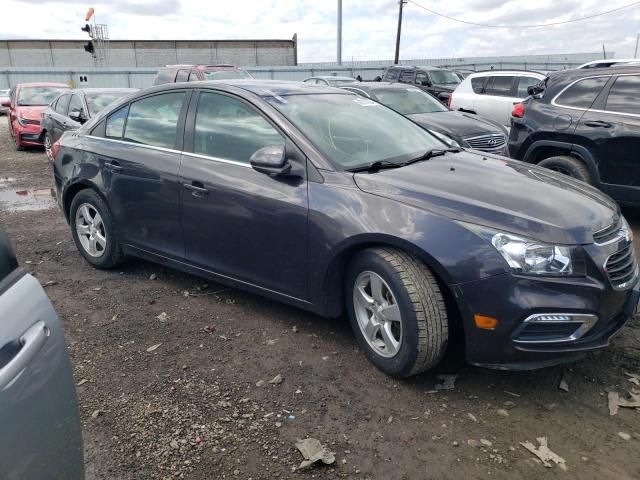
(500, 193)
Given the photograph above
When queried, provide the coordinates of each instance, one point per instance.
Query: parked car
(611, 62)
(586, 124)
(73, 108)
(457, 128)
(493, 93)
(196, 73)
(335, 203)
(26, 103)
(40, 436)
(330, 80)
(437, 81)
(4, 98)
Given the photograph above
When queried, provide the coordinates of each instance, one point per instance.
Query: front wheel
(48, 145)
(396, 311)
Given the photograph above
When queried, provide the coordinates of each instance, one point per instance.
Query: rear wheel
(396, 311)
(48, 145)
(569, 166)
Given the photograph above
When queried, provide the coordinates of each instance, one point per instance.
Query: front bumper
(512, 299)
(28, 135)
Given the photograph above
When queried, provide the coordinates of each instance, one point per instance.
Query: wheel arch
(72, 190)
(543, 149)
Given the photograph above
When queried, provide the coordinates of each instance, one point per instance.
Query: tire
(16, 142)
(422, 331)
(106, 251)
(48, 143)
(569, 166)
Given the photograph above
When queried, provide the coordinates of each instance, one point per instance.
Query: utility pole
(339, 53)
(604, 53)
(635, 55)
(401, 3)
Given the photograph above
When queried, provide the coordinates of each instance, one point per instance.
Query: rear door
(612, 129)
(497, 99)
(59, 117)
(40, 436)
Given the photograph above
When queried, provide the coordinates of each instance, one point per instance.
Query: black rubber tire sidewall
(575, 168)
(113, 252)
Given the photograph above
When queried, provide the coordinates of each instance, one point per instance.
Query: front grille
(621, 266)
(487, 143)
(609, 233)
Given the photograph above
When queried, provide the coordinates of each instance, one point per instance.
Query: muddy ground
(195, 406)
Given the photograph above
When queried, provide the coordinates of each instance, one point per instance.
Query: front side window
(421, 77)
(182, 76)
(624, 96)
(99, 101)
(154, 120)
(408, 101)
(583, 93)
(351, 131)
(32, 96)
(392, 75)
(524, 83)
(444, 77)
(407, 76)
(229, 129)
(193, 77)
(61, 104)
(75, 105)
(499, 86)
(227, 75)
(115, 123)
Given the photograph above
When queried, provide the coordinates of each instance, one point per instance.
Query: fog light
(554, 327)
(486, 323)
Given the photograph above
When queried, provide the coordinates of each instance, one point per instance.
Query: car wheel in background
(568, 166)
(48, 145)
(396, 311)
(16, 142)
(94, 230)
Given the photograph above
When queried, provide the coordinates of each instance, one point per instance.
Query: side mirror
(6, 103)
(78, 116)
(270, 160)
(425, 83)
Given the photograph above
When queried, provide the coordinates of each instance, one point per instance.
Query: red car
(27, 102)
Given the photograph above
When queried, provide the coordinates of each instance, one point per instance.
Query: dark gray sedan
(337, 204)
(73, 108)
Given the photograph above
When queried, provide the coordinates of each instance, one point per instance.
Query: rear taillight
(55, 148)
(518, 110)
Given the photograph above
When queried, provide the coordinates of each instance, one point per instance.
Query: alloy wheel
(91, 230)
(47, 146)
(378, 314)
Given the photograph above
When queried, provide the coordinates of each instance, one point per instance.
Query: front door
(140, 158)
(236, 221)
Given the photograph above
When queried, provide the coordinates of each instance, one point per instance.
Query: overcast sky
(369, 26)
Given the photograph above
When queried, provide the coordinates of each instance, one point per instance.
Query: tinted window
(410, 100)
(407, 76)
(115, 123)
(523, 84)
(624, 96)
(61, 104)
(182, 76)
(392, 74)
(421, 77)
(75, 104)
(583, 93)
(154, 120)
(444, 77)
(499, 86)
(229, 129)
(477, 84)
(226, 75)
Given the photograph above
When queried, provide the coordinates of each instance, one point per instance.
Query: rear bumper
(512, 299)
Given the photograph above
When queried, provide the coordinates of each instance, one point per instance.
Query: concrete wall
(144, 53)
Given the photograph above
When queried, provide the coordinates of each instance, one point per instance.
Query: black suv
(586, 124)
(439, 82)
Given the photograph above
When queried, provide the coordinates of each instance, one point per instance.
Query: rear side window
(229, 129)
(407, 76)
(154, 120)
(624, 96)
(477, 84)
(75, 104)
(8, 262)
(115, 123)
(61, 105)
(523, 84)
(392, 75)
(583, 93)
(182, 76)
(421, 77)
(499, 86)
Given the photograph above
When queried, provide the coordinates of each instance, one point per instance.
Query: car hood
(31, 113)
(456, 123)
(499, 193)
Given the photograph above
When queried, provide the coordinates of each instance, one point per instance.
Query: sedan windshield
(446, 77)
(31, 96)
(408, 101)
(99, 101)
(352, 131)
(226, 75)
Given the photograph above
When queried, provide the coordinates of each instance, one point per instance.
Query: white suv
(493, 94)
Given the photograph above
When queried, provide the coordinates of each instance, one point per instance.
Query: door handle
(113, 167)
(197, 189)
(597, 124)
(28, 346)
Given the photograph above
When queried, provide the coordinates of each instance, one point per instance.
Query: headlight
(25, 121)
(443, 138)
(530, 257)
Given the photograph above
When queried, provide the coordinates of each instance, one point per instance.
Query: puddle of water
(27, 200)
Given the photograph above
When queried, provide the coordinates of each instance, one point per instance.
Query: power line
(633, 4)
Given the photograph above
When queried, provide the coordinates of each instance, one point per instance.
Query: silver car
(40, 436)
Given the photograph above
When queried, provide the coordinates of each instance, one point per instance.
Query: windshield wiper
(436, 152)
(375, 166)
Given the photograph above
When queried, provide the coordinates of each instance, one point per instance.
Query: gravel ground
(173, 379)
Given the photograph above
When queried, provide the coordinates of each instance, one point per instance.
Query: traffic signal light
(86, 28)
(88, 47)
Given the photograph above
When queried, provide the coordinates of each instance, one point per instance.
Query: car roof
(332, 77)
(372, 86)
(93, 91)
(486, 73)
(421, 67)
